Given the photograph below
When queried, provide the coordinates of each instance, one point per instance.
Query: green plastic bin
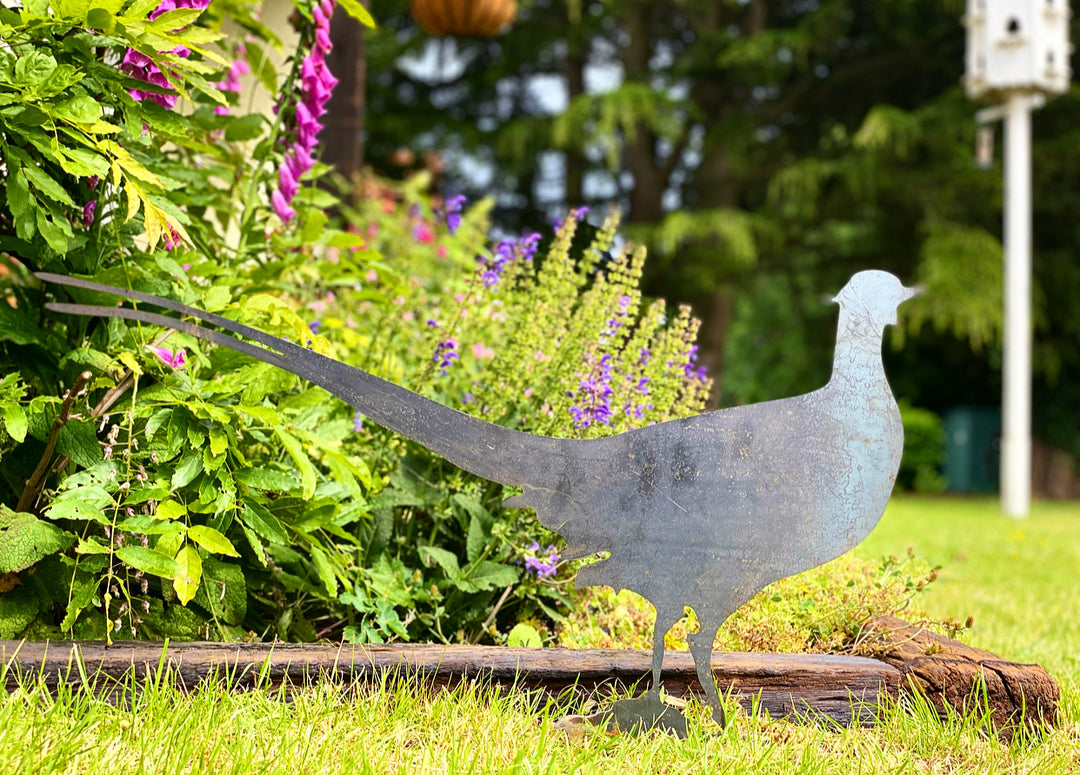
(972, 449)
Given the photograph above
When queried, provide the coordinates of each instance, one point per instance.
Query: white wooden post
(1016, 398)
(1017, 53)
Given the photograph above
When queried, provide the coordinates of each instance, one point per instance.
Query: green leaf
(224, 591)
(477, 539)
(267, 479)
(314, 226)
(324, 570)
(488, 575)
(170, 510)
(80, 110)
(86, 503)
(263, 522)
(264, 414)
(169, 544)
(34, 68)
(18, 193)
(78, 440)
(212, 540)
(83, 163)
(14, 417)
(295, 449)
(83, 591)
(217, 298)
(140, 9)
(444, 559)
(358, 12)
(25, 539)
(52, 233)
(19, 325)
(186, 583)
(91, 546)
(143, 523)
(46, 185)
(524, 636)
(189, 467)
(219, 440)
(245, 128)
(100, 19)
(18, 608)
(174, 20)
(262, 67)
(150, 561)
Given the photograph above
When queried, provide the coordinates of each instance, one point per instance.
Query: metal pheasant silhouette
(701, 512)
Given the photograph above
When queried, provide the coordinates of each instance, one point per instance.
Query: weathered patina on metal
(700, 512)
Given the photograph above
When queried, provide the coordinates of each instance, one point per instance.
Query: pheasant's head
(874, 296)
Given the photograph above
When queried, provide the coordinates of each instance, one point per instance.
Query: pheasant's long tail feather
(491, 451)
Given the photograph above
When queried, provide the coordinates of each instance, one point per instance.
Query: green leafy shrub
(924, 451)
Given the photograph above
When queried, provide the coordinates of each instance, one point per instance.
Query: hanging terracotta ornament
(464, 18)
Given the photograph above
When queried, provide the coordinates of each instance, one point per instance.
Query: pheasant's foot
(633, 716)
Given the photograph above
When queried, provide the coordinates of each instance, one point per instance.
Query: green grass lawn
(1019, 579)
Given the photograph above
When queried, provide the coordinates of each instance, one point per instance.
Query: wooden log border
(842, 689)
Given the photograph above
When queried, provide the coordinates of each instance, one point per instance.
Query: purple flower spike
(452, 212)
(446, 353)
(593, 396)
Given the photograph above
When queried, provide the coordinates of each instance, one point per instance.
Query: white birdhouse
(1017, 46)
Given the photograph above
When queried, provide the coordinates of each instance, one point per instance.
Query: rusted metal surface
(700, 512)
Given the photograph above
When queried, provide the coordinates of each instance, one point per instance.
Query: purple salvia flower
(358, 422)
(446, 353)
(451, 212)
(88, 213)
(593, 396)
(691, 369)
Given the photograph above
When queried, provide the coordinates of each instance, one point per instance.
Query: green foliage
(924, 451)
(180, 491)
(820, 611)
(25, 539)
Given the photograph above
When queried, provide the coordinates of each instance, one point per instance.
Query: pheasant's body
(700, 512)
(705, 511)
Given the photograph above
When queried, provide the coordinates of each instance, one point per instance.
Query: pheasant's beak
(910, 293)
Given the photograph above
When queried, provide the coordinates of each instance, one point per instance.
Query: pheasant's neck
(857, 363)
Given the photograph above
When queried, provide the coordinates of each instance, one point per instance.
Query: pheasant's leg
(665, 620)
(648, 711)
(701, 644)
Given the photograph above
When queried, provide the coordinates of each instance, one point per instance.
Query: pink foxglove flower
(139, 66)
(316, 85)
(174, 360)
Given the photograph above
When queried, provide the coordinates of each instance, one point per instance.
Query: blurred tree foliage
(765, 150)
